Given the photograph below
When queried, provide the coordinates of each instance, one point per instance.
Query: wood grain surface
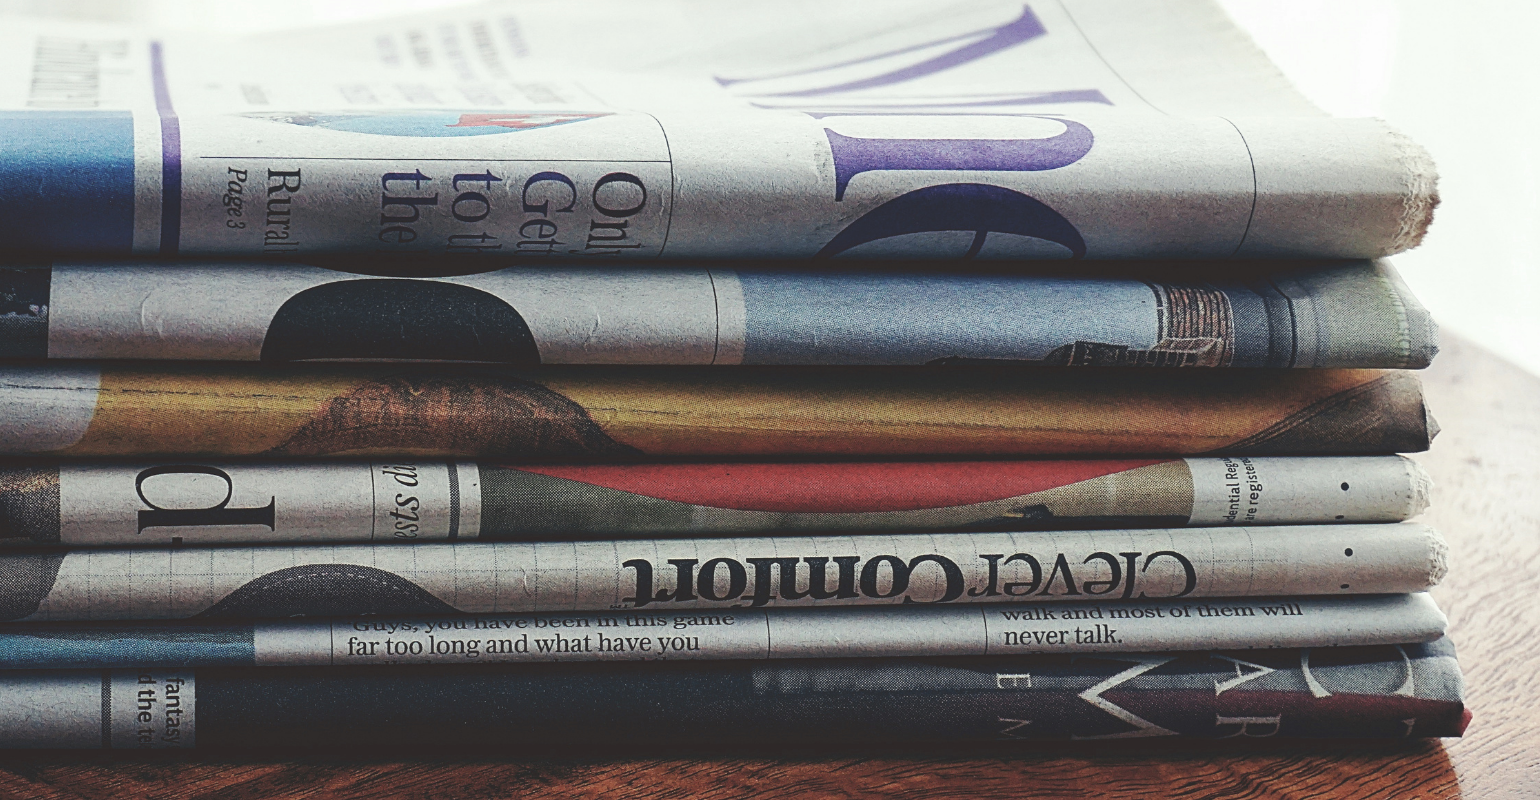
(1486, 464)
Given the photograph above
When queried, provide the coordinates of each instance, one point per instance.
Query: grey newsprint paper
(1244, 314)
(663, 574)
(645, 635)
(995, 129)
(84, 504)
(1395, 691)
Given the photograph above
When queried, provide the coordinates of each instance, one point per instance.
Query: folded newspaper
(1357, 314)
(751, 572)
(1098, 627)
(637, 413)
(173, 504)
(988, 129)
(1387, 691)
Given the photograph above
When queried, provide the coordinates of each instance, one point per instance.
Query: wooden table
(1486, 464)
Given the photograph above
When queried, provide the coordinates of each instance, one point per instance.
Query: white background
(1459, 77)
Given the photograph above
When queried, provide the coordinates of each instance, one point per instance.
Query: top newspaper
(675, 129)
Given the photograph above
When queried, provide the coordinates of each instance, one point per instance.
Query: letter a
(1241, 676)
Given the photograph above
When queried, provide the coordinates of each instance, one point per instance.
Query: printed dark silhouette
(479, 414)
(327, 590)
(380, 318)
(29, 503)
(24, 295)
(25, 579)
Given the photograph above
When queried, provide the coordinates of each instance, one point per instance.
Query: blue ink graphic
(954, 105)
(67, 181)
(972, 46)
(99, 647)
(855, 155)
(170, 156)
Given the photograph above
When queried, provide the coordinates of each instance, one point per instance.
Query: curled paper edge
(1438, 556)
(1422, 488)
(1421, 196)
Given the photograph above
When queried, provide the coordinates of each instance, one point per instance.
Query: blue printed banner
(67, 181)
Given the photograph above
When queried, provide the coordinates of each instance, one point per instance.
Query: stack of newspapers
(663, 372)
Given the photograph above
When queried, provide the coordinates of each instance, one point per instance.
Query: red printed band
(676, 499)
(840, 488)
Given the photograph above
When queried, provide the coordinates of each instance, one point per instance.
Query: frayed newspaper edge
(1421, 194)
(1422, 488)
(1438, 557)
